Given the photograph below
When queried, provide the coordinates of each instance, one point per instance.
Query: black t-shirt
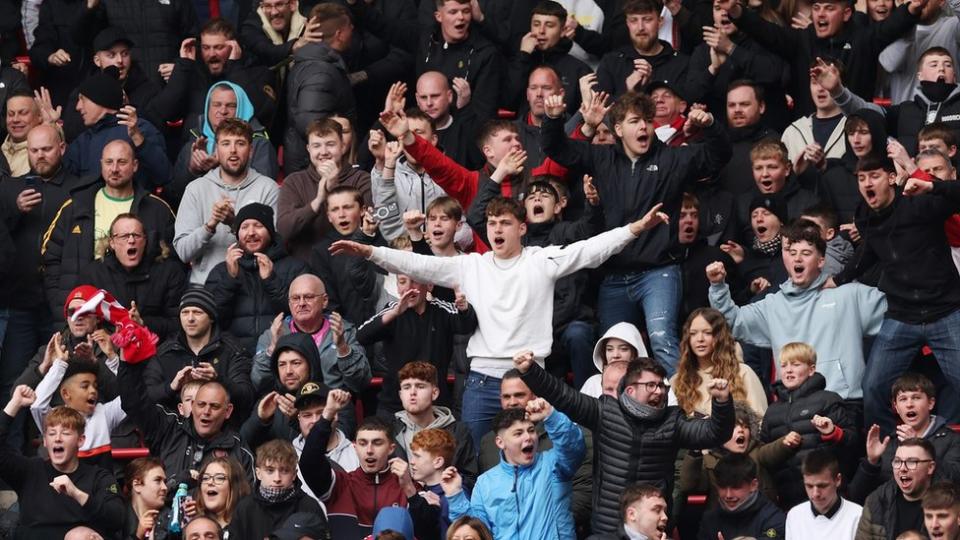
(909, 515)
(823, 127)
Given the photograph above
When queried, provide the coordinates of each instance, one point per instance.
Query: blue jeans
(894, 349)
(481, 402)
(657, 293)
(576, 343)
(25, 332)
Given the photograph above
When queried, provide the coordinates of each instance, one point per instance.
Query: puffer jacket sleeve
(698, 433)
(581, 408)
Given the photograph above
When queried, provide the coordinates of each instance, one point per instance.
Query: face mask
(937, 91)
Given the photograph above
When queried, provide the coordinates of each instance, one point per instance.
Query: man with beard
(209, 205)
(250, 285)
(74, 238)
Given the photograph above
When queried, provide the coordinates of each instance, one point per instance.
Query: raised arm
(581, 408)
(748, 323)
(443, 271)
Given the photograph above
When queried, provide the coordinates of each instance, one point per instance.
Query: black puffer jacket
(248, 304)
(158, 27)
(317, 87)
(68, 244)
(223, 352)
(171, 437)
(155, 285)
(793, 412)
(761, 519)
(629, 449)
(255, 517)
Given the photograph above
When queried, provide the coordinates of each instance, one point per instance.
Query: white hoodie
(593, 387)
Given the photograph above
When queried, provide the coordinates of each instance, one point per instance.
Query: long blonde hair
(726, 365)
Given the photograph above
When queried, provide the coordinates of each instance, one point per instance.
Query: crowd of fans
(623, 269)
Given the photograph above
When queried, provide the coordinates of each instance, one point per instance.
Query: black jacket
(895, 238)
(255, 517)
(54, 31)
(908, 118)
(248, 304)
(353, 283)
(617, 65)
(317, 87)
(796, 198)
(156, 285)
(68, 244)
(761, 519)
(628, 449)
(140, 90)
(157, 27)
(411, 337)
(696, 287)
(568, 68)
(171, 437)
(736, 176)
(11, 82)
(475, 59)
(837, 186)
(223, 352)
(629, 189)
(879, 518)
(792, 412)
(857, 47)
(24, 280)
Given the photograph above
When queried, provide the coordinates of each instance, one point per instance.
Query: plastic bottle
(178, 517)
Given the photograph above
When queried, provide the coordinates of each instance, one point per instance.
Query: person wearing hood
(139, 275)
(251, 285)
(545, 45)
(817, 415)
(418, 392)
(936, 99)
(105, 115)
(213, 57)
(647, 58)
(866, 134)
(198, 155)
(276, 493)
(794, 313)
(208, 210)
(742, 510)
(620, 345)
(75, 237)
(317, 84)
(636, 435)
(199, 352)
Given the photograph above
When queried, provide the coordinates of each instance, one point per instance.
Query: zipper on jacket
(516, 496)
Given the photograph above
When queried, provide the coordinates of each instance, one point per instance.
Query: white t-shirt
(802, 524)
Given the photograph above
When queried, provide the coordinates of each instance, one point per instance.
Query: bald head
(82, 533)
(118, 148)
(307, 299)
(434, 96)
(45, 150)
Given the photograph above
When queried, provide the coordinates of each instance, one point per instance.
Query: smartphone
(31, 181)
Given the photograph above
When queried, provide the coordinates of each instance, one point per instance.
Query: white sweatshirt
(513, 298)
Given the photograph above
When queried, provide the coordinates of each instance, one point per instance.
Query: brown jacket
(297, 223)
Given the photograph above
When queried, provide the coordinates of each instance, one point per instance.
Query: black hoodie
(256, 517)
(838, 182)
(568, 68)
(617, 65)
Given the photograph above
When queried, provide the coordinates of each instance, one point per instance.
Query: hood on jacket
(814, 383)
(877, 125)
(624, 331)
(789, 289)
(244, 111)
(395, 519)
(213, 175)
(300, 343)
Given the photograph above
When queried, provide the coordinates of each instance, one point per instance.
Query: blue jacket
(531, 502)
(83, 155)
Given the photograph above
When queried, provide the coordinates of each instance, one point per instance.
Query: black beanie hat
(259, 212)
(772, 203)
(201, 298)
(104, 89)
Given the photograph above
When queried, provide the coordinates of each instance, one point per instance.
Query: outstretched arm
(443, 271)
(581, 408)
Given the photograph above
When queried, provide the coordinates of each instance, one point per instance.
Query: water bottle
(178, 516)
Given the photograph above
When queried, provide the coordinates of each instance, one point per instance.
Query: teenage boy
(276, 494)
(632, 177)
(826, 514)
(914, 397)
(644, 513)
(839, 249)
(895, 506)
(743, 510)
(528, 495)
(58, 494)
(898, 229)
(941, 511)
(813, 139)
(832, 321)
(353, 499)
(418, 391)
(636, 434)
(431, 452)
(310, 404)
(502, 286)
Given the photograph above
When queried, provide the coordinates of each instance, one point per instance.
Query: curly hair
(724, 361)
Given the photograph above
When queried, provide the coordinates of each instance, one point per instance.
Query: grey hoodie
(833, 321)
(443, 418)
(192, 242)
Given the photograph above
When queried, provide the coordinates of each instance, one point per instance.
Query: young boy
(939, 137)
(839, 249)
(528, 495)
(188, 391)
(914, 397)
(431, 452)
(276, 494)
(58, 494)
(77, 381)
(805, 407)
(435, 232)
(418, 392)
(743, 510)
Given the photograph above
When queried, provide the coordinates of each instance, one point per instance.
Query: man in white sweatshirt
(511, 289)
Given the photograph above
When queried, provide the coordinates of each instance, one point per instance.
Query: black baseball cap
(110, 36)
(311, 392)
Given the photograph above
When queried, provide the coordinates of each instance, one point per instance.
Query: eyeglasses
(215, 479)
(911, 464)
(651, 386)
(296, 298)
(128, 236)
(274, 6)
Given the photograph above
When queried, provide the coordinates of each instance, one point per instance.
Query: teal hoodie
(832, 321)
(244, 111)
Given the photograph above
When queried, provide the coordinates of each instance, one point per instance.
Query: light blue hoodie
(244, 112)
(832, 321)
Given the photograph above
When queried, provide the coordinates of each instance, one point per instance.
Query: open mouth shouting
(58, 453)
(527, 451)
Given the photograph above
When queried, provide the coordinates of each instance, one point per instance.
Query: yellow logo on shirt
(76, 229)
